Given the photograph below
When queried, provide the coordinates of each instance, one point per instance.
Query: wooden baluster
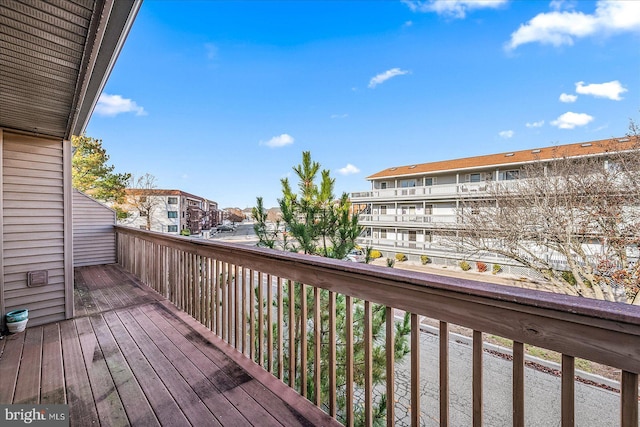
(292, 334)
(225, 286)
(629, 399)
(280, 329)
(568, 391)
(368, 365)
(261, 319)
(348, 301)
(444, 373)
(415, 370)
(237, 307)
(477, 378)
(269, 324)
(332, 354)
(518, 384)
(218, 296)
(317, 345)
(303, 340)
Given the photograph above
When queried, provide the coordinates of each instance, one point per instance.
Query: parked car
(225, 227)
(355, 255)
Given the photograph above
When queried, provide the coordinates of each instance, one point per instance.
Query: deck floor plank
(177, 348)
(52, 386)
(82, 408)
(164, 406)
(285, 410)
(190, 404)
(28, 384)
(9, 366)
(225, 374)
(110, 408)
(139, 411)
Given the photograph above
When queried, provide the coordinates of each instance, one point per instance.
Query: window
(143, 214)
(383, 210)
(428, 181)
(143, 227)
(172, 214)
(172, 228)
(511, 175)
(428, 209)
(474, 177)
(172, 200)
(383, 234)
(408, 183)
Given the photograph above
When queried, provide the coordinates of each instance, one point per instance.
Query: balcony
(130, 357)
(188, 331)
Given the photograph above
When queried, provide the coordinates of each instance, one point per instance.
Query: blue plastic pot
(17, 315)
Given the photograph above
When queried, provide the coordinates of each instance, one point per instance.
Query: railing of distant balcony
(223, 286)
(429, 190)
(408, 219)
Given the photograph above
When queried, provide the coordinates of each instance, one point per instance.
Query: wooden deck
(131, 358)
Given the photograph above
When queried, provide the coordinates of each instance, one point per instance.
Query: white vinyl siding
(33, 225)
(94, 240)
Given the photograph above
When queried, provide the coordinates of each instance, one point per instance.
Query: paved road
(243, 234)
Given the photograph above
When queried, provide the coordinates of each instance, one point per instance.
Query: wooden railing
(242, 294)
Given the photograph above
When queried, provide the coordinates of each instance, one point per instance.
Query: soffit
(55, 58)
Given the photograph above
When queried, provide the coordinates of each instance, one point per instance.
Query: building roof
(56, 58)
(512, 157)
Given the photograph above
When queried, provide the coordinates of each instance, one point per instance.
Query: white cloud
(571, 120)
(506, 134)
(348, 170)
(408, 24)
(383, 77)
(339, 116)
(563, 27)
(279, 141)
(112, 105)
(535, 124)
(452, 8)
(610, 90)
(568, 98)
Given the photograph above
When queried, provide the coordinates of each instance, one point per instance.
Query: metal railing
(250, 296)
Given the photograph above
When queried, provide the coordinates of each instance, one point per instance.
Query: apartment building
(170, 211)
(415, 209)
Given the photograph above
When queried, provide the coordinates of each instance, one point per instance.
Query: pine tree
(317, 223)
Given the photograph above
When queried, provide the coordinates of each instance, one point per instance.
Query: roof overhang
(56, 58)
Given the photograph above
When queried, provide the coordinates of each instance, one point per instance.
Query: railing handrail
(600, 331)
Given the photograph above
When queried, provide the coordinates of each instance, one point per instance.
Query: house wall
(160, 220)
(94, 240)
(36, 231)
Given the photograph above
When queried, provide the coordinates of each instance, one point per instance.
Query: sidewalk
(487, 277)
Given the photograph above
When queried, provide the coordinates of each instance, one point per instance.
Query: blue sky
(220, 99)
